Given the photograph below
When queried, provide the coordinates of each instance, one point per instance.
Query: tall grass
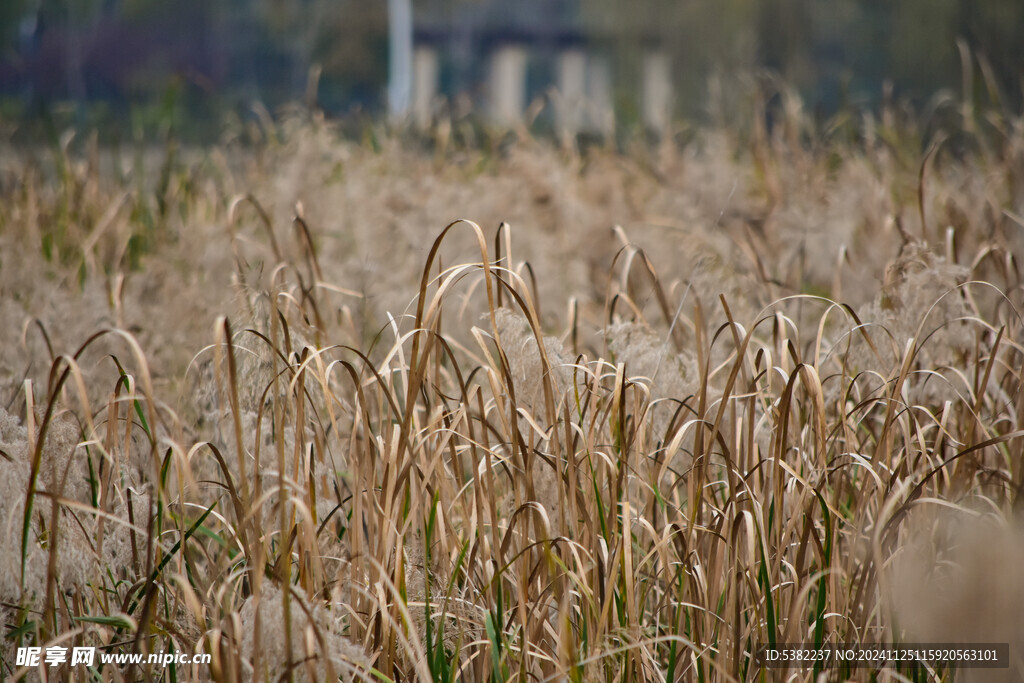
(785, 420)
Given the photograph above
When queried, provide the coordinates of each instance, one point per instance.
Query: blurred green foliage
(835, 53)
(11, 13)
(227, 55)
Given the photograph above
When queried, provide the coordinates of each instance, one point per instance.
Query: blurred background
(567, 65)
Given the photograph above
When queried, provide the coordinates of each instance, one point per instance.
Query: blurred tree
(994, 29)
(786, 39)
(714, 38)
(346, 38)
(351, 45)
(702, 37)
(922, 46)
(12, 15)
(836, 53)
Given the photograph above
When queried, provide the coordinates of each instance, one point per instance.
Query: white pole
(508, 85)
(657, 92)
(572, 86)
(424, 85)
(399, 57)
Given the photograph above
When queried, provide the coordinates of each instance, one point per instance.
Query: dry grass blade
(411, 456)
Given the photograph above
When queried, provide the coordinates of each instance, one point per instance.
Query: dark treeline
(210, 58)
(840, 52)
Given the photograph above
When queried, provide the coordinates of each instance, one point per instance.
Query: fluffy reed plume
(317, 651)
(957, 577)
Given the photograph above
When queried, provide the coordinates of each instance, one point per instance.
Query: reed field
(374, 406)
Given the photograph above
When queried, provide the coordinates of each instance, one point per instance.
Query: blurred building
(430, 57)
(596, 65)
(505, 55)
